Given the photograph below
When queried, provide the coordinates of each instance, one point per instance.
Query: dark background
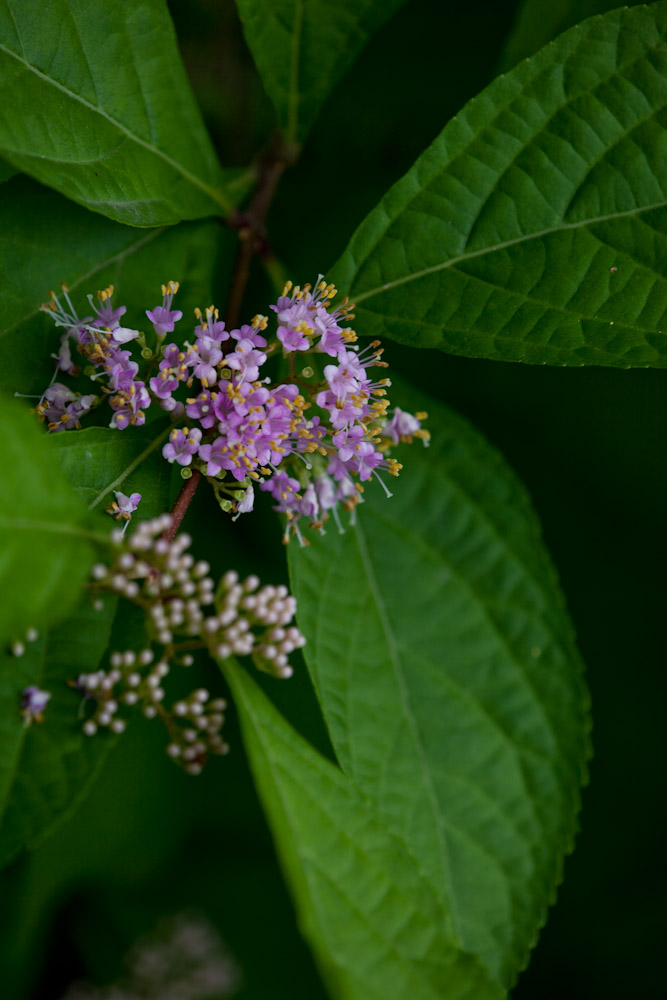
(590, 446)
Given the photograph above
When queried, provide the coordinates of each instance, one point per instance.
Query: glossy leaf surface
(97, 104)
(445, 666)
(376, 925)
(533, 229)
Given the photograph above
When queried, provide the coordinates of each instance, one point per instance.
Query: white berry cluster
(184, 613)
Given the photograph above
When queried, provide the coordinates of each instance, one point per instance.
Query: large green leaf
(533, 229)
(96, 103)
(46, 240)
(47, 768)
(445, 666)
(538, 21)
(303, 47)
(376, 926)
(45, 549)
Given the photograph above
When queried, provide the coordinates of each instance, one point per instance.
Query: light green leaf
(533, 229)
(48, 767)
(445, 666)
(45, 549)
(96, 103)
(303, 47)
(46, 240)
(377, 929)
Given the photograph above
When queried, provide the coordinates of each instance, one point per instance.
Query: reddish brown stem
(251, 228)
(182, 503)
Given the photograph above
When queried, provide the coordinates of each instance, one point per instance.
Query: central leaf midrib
(396, 664)
(216, 195)
(524, 238)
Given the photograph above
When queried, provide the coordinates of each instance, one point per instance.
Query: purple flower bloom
(127, 505)
(33, 703)
(250, 333)
(201, 408)
(164, 317)
(212, 327)
(182, 445)
(61, 407)
(206, 356)
(107, 316)
(129, 406)
(246, 360)
(404, 426)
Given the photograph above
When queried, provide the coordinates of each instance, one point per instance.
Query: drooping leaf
(303, 47)
(539, 21)
(447, 674)
(47, 768)
(45, 549)
(533, 229)
(376, 926)
(96, 103)
(46, 240)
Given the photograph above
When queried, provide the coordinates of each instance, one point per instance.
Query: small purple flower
(123, 334)
(246, 360)
(127, 505)
(182, 445)
(107, 316)
(33, 703)
(164, 317)
(206, 355)
(201, 408)
(404, 426)
(212, 327)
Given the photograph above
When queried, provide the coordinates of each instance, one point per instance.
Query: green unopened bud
(146, 354)
(308, 372)
(186, 473)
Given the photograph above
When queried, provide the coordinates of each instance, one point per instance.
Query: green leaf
(45, 549)
(6, 171)
(445, 665)
(47, 768)
(96, 103)
(377, 928)
(533, 229)
(46, 240)
(303, 47)
(116, 460)
(538, 21)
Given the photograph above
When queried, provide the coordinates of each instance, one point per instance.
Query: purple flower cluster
(309, 438)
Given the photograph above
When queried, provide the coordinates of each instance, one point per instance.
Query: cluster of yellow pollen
(106, 293)
(170, 288)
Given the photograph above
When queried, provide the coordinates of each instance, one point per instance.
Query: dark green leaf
(376, 926)
(303, 47)
(539, 21)
(45, 549)
(533, 229)
(96, 103)
(46, 240)
(48, 767)
(116, 460)
(6, 171)
(445, 665)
